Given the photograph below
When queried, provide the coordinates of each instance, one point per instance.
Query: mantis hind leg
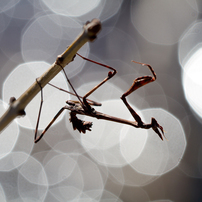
(37, 138)
(109, 76)
(39, 113)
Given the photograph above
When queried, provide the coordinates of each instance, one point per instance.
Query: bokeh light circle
(71, 8)
(150, 18)
(85, 10)
(110, 146)
(32, 180)
(53, 98)
(190, 54)
(6, 5)
(166, 154)
(16, 144)
(50, 35)
(8, 138)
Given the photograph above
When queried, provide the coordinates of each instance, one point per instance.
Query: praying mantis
(84, 106)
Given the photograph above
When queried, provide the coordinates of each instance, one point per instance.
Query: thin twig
(89, 33)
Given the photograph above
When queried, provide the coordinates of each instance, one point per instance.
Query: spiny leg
(39, 114)
(139, 82)
(49, 125)
(110, 75)
(36, 139)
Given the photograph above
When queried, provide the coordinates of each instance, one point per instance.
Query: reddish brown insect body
(84, 106)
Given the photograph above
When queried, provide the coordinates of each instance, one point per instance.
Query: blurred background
(113, 162)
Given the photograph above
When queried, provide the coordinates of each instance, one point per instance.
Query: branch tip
(93, 28)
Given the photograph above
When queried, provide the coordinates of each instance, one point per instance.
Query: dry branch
(89, 33)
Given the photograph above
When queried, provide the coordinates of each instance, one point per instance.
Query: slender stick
(90, 30)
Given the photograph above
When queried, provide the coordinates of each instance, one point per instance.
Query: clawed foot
(157, 128)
